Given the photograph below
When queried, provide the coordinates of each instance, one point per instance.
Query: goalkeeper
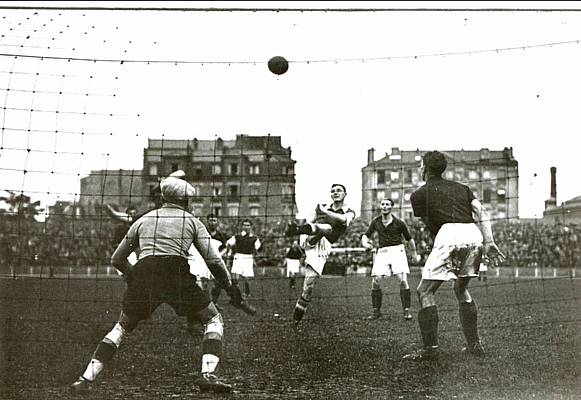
(162, 238)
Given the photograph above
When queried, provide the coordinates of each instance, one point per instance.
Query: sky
(431, 79)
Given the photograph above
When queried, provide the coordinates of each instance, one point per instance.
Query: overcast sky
(409, 79)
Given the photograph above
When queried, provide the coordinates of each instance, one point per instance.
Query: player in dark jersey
(462, 236)
(292, 262)
(243, 247)
(390, 258)
(162, 238)
(330, 222)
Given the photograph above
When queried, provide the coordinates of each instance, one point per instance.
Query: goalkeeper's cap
(178, 174)
(175, 190)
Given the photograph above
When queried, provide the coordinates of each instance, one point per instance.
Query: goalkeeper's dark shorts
(163, 279)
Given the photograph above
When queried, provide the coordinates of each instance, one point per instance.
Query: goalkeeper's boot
(474, 349)
(81, 385)
(208, 382)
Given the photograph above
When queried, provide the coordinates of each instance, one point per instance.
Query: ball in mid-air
(278, 65)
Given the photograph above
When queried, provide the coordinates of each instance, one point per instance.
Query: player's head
(212, 221)
(246, 225)
(433, 164)
(177, 191)
(131, 211)
(338, 192)
(385, 205)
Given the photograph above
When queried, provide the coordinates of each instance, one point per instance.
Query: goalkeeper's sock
(469, 321)
(246, 289)
(94, 368)
(209, 363)
(428, 321)
(376, 299)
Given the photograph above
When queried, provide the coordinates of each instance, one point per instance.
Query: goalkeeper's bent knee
(213, 332)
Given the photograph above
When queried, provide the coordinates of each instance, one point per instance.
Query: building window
(254, 169)
(407, 196)
(216, 169)
(287, 190)
(233, 210)
(254, 190)
(153, 169)
(473, 175)
(394, 176)
(287, 170)
(198, 170)
(380, 195)
(410, 174)
(380, 176)
(254, 211)
(486, 175)
(217, 191)
(233, 190)
(501, 195)
(233, 169)
(198, 211)
(218, 211)
(394, 195)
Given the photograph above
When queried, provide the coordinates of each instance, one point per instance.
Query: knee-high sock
(469, 321)
(376, 299)
(215, 292)
(212, 343)
(246, 288)
(104, 352)
(428, 320)
(406, 298)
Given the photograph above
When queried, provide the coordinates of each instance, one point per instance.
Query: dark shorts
(163, 279)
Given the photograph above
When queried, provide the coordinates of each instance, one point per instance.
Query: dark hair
(390, 200)
(247, 220)
(211, 215)
(435, 162)
(338, 184)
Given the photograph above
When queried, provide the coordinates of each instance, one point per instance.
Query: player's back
(168, 230)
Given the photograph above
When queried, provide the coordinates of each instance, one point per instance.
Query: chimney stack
(554, 183)
(370, 156)
(552, 201)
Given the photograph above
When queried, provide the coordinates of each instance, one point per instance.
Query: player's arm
(118, 215)
(124, 249)
(213, 259)
(344, 219)
(411, 243)
(366, 237)
(482, 219)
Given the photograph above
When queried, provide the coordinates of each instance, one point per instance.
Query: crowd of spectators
(90, 241)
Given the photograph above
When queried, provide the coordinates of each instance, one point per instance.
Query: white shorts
(483, 267)
(391, 260)
(197, 264)
(293, 266)
(243, 264)
(316, 256)
(457, 252)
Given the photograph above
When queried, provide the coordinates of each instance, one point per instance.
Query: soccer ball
(278, 65)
